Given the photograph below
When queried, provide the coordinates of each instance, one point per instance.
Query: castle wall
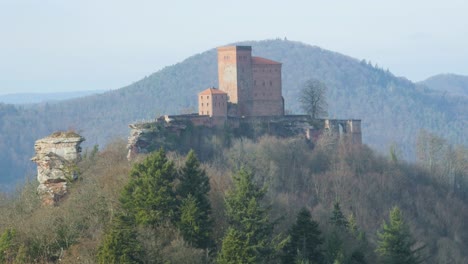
(349, 129)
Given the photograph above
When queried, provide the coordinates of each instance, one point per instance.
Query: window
(201, 104)
(263, 83)
(208, 112)
(202, 112)
(207, 97)
(255, 83)
(271, 83)
(207, 104)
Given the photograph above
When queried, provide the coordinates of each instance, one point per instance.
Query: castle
(250, 93)
(248, 86)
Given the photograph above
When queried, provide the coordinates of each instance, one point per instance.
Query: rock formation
(56, 158)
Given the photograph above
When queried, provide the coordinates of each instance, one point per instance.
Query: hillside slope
(33, 98)
(392, 109)
(451, 84)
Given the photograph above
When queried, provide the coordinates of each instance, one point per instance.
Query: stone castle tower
(253, 84)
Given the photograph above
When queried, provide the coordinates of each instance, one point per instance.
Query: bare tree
(313, 98)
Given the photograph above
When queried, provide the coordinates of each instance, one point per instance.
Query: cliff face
(56, 157)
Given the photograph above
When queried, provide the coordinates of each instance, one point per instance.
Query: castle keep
(252, 86)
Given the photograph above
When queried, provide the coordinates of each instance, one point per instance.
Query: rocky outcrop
(56, 158)
(141, 135)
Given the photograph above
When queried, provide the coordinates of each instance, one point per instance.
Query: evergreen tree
(337, 218)
(249, 237)
(149, 195)
(120, 244)
(304, 241)
(352, 225)
(395, 242)
(195, 222)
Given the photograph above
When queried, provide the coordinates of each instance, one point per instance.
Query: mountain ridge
(36, 98)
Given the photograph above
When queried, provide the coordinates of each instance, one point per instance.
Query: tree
(195, 223)
(395, 244)
(430, 149)
(120, 243)
(249, 236)
(304, 241)
(337, 218)
(149, 195)
(313, 98)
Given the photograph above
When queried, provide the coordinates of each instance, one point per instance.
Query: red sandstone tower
(235, 75)
(253, 84)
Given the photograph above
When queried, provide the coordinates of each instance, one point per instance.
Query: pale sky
(69, 45)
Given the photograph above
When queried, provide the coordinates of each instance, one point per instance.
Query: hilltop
(451, 84)
(392, 108)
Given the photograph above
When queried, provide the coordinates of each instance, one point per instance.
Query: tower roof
(211, 91)
(248, 48)
(260, 60)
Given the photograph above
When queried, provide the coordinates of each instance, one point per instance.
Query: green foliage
(296, 178)
(149, 195)
(195, 223)
(396, 245)
(304, 245)
(249, 237)
(337, 218)
(6, 242)
(120, 244)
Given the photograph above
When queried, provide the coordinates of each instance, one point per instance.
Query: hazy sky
(66, 45)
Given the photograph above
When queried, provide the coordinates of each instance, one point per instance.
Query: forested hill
(32, 98)
(451, 84)
(393, 110)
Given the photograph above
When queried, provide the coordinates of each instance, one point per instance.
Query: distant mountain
(392, 109)
(451, 84)
(32, 98)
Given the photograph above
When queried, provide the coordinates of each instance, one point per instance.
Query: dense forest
(393, 109)
(262, 200)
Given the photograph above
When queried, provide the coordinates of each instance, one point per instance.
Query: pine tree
(337, 218)
(120, 244)
(195, 223)
(395, 242)
(304, 241)
(249, 237)
(149, 195)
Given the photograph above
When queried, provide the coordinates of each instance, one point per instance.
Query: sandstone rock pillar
(56, 158)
